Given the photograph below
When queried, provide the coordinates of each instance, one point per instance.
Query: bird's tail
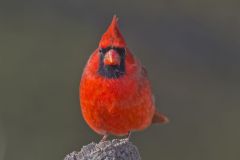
(159, 118)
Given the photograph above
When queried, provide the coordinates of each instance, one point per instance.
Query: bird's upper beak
(112, 57)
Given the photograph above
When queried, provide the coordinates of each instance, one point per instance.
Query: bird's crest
(112, 37)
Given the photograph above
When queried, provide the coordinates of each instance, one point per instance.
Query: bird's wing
(158, 118)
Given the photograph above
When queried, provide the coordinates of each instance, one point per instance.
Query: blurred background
(190, 49)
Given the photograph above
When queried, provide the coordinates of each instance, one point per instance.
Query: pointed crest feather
(112, 37)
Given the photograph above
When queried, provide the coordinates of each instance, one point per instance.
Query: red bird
(115, 93)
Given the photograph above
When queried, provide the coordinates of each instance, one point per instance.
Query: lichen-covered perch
(117, 149)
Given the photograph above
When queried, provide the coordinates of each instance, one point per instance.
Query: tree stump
(117, 149)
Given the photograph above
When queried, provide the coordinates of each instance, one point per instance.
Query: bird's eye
(120, 50)
(104, 50)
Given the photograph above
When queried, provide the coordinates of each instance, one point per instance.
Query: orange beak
(112, 58)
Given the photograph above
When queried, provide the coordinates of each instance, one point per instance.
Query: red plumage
(115, 93)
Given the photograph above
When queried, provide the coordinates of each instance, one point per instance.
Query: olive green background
(191, 49)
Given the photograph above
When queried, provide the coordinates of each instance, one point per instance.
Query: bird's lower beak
(111, 58)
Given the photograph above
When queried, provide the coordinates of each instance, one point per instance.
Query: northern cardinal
(115, 93)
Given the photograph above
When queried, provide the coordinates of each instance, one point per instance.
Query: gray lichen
(117, 149)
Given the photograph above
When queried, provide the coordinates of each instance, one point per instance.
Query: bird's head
(112, 50)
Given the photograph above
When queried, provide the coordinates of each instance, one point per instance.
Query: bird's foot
(129, 136)
(104, 138)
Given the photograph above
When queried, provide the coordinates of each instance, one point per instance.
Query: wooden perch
(117, 149)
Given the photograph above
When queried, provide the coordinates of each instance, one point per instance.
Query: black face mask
(112, 71)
